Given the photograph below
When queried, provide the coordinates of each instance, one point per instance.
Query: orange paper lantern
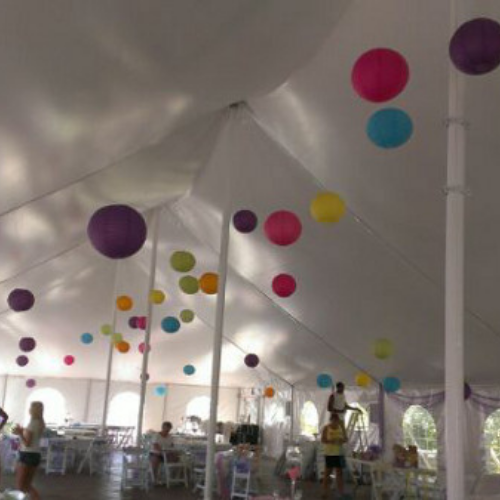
(123, 347)
(269, 392)
(124, 303)
(209, 283)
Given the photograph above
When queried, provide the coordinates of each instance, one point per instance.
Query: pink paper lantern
(69, 360)
(30, 383)
(380, 75)
(142, 348)
(283, 228)
(284, 285)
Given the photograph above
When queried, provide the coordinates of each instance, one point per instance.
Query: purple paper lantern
(22, 360)
(30, 383)
(467, 391)
(475, 46)
(20, 300)
(132, 322)
(245, 221)
(117, 231)
(252, 360)
(27, 344)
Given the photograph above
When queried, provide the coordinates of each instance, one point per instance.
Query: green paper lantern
(189, 285)
(182, 261)
(187, 316)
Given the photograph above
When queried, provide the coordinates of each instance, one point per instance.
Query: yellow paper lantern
(209, 283)
(124, 303)
(327, 208)
(123, 347)
(106, 329)
(363, 380)
(269, 392)
(182, 261)
(116, 338)
(383, 348)
(157, 297)
(187, 316)
(189, 285)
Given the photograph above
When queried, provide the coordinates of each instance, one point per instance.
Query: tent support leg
(217, 354)
(109, 368)
(454, 281)
(155, 221)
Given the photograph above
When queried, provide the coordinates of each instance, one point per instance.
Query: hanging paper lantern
(252, 360)
(30, 383)
(209, 283)
(391, 384)
(69, 360)
(324, 381)
(467, 391)
(380, 75)
(189, 285)
(284, 285)
(142, 348)
(327, 208)
(187, 316)
(283, 228)
(389, 128)
(245, 221)
(142, 322)
(189, 370)
(182, 261)
(87, 338)
(160, 391)
(269, 392)
(106, 329)
(475, 46)
(383, 348)
(116, 338)
(170, 324)
(27, 344)
(20, 300)
(117, 231)
(132, 322)
(22, 360)
(123, 346)
(124, 303)
(156, 297)
(363, 380)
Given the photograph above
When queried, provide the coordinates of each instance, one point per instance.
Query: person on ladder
(337, 403)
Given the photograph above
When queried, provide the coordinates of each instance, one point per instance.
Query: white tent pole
(111, 349)
(454, 281)
(155, 220)
(292, 416)
(217, 354)
(4, 396)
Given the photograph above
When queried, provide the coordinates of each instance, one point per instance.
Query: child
(333, 437)
(30, 456)
(161, 442)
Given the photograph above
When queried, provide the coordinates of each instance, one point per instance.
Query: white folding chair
(135, 468)
(198, 469)
(57, 456)
(175, 467)
(98, 456)
(386, 483)
(240, 487)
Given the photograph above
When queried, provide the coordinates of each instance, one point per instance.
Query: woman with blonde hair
(29, 455)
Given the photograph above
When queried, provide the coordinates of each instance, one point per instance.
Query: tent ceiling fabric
(128, 106)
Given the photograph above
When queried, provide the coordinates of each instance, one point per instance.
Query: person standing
(333, 439)
(3, 420)
(30, 453)
(337, 403)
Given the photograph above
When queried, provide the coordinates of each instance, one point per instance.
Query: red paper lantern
(69, 360)
(380, 75)
(284, 285)
(283, 228)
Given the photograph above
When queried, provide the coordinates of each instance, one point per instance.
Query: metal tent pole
(155, 219)
(217, 353)
(111, 349)
(454, 280)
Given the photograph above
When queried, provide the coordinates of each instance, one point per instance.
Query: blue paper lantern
(389, 128)
(189, 370)
(324, 381)
(391, 384)
(170, 324)
(87, 338)
(160, 391)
